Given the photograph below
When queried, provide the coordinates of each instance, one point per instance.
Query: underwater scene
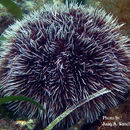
(64, 64)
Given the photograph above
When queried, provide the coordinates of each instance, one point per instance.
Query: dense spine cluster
(60, 55)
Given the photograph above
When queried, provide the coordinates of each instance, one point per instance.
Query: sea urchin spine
(60, 55)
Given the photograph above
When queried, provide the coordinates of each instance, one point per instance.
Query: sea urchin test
(59, 55)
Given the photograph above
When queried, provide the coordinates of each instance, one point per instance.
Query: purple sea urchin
(60, 55)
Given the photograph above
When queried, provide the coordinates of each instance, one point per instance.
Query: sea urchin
(60, 55)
